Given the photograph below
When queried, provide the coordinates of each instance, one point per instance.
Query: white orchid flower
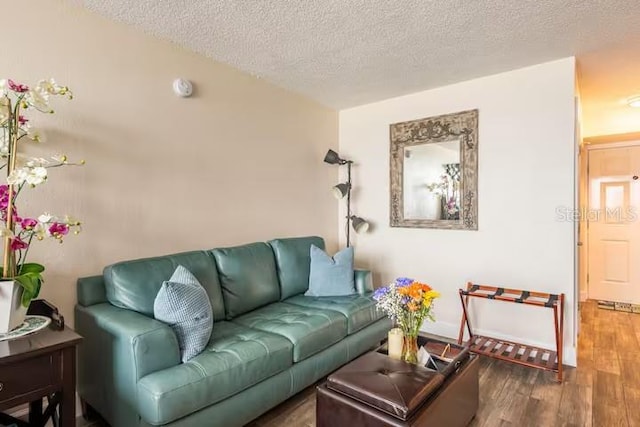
(36, 176)
(71, 221)
(4, 144)
(39, 99)
(3, 87)
(40, 231)
(50, 87)
(17, 177)
(36, 162)
(5, 232)
(45, 218)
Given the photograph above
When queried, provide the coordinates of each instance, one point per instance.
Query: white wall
(240, 161)
(526, 172)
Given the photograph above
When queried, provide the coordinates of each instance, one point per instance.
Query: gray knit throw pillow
(183, 304)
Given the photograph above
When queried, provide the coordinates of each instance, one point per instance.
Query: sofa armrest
(90, 291)
(120, 346)
(364, 281)
(147, 344)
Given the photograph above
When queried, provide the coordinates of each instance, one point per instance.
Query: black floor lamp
(344, 189)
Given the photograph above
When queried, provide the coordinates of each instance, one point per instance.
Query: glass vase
(410, 349)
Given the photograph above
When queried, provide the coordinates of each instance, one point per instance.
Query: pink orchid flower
(17, 244)
(58, 229)
(28, 223)
(17, 87)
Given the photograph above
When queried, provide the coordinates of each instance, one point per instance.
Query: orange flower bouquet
(408, 303)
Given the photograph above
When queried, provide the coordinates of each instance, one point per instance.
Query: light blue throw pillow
(183, 304)
(331, 277)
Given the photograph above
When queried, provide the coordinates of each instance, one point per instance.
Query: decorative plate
(31, 324)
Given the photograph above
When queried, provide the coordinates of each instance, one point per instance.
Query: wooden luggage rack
(534, 357)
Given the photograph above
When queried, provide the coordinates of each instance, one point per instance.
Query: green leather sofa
(269, 341)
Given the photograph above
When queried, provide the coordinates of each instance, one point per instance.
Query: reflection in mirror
(431, 183)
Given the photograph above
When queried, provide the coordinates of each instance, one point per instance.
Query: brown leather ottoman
(375, 390)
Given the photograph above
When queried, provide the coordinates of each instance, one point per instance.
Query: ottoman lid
(393, 386)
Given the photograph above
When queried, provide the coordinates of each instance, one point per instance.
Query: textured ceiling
(344, 53)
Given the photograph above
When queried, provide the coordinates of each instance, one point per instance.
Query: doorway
(610, 221)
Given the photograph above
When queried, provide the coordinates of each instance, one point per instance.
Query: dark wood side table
(36, 367)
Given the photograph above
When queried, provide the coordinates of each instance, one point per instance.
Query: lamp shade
(359, 224)
(333, 158)
(340, 190)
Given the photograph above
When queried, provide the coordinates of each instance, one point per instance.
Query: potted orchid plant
(20, 280)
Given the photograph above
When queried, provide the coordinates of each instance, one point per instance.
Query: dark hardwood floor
(604, 391)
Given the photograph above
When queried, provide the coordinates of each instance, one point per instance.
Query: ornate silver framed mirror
(434, 172)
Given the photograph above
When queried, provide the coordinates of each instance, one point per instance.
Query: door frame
(597, 143)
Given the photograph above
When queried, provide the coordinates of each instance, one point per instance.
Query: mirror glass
(431, 181)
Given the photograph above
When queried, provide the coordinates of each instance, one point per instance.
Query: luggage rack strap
(523, 296)
(497, 293)
(553, 299)
(470, 289)
(541, 299)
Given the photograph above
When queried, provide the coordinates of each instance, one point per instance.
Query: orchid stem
(26, 252)
(8, 264)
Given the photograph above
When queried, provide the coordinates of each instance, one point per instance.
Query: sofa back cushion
(293, 263)
(248, 277)
(134, 284)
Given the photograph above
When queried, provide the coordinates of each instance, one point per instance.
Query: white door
(613, 224)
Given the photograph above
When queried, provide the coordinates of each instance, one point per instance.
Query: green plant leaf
(31, 283)
(31, 267)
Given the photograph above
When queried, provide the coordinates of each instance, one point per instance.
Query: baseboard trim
(451, 330)
(584, 295)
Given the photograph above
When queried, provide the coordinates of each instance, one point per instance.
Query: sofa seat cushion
(236, 358)
(310, 330)
(359, 310)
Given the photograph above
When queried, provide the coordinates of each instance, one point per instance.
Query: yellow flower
(432, 294)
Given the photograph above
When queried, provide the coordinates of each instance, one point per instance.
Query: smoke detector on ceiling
(183, 88)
